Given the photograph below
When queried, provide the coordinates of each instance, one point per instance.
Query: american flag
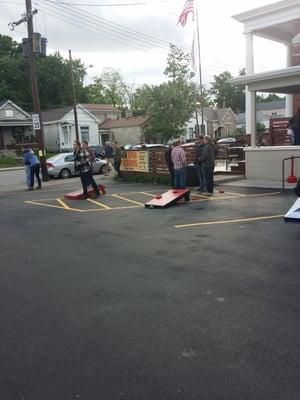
(188, 8)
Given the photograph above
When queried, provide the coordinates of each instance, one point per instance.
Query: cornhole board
(293, 215)
(168, 198)
(77, 195)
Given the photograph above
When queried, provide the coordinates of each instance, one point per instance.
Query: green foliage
(6, 162)
(227, 95)
(146, 178)
(169, 104)
(53, 72)
(268, 99)
(260, 127)
(109, 88)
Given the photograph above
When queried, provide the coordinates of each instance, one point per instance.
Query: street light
(197, 104)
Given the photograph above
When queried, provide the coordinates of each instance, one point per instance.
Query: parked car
(227, 141)
(62, 166)
(147, 146)
(99, 151)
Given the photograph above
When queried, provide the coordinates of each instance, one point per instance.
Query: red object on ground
(77, 195)
(168, 198)
(292, 178)
(221, 191)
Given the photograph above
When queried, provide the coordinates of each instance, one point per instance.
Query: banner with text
(136, 161)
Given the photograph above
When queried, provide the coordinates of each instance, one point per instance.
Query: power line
(112, 26)
(94, 28)
(111, 4)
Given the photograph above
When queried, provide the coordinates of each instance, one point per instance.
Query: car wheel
(65, 173)
(103, 169)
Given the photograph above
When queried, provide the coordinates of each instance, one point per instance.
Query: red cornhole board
(168, 198)
(77, 195)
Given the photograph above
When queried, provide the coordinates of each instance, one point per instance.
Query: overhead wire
(111, 26)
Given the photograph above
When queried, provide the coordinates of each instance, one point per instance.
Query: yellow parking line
(35, 203)
(230, 221)
(147, 194)
(99, 204)
(110, 209)
(129, 200)
(63, 204)
(233, 196)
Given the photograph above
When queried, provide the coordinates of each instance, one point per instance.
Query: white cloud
(222, 41)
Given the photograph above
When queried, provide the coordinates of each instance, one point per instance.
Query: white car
(62, 166)
(227, 141)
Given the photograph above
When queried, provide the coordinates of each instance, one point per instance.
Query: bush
(6, 162)
(152, 179)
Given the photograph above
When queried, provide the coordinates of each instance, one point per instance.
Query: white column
(250, 96)
(289, 105)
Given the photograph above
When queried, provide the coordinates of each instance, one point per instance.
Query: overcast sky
(106, 42)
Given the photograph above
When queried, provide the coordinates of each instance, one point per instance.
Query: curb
(12, 169)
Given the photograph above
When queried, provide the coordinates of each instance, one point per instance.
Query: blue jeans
(27, 170)
(180, 178)
(201, 176)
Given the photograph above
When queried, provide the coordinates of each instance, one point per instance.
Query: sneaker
(30, 189)
(83, 197)
(207, 194)
(39, 187)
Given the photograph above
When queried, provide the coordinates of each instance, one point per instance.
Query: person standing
(26, 150)
(296, 126)
(82, 164)
(117, 156)
(208, 160)
(168, 158)
(200, 169)
(179, 161)
(109, 152)
(31, 159)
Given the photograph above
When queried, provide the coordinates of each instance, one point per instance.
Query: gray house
(15, 126)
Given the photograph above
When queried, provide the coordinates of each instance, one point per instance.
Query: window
(69, 158)
(85, 133)
(9, 113)
(66, 135)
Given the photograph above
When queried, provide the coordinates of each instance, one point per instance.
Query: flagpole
(200, 70)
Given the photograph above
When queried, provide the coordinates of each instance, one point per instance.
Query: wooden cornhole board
(168, 198)
(77, 195)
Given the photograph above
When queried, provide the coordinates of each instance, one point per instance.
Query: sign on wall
(136, 161)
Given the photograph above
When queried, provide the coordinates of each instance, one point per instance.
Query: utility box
(44, 47)
(36, 43)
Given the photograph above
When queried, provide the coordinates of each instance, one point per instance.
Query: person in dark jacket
(117, 158)
(296, 126)
(200, 168)
(170, 164)
(83, 166)
(208, 161)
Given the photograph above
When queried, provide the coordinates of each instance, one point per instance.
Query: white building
(279, 22)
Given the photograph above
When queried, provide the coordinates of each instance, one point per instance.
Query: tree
(271, 97)
(170, 104)
(227, 95)
(53, 73)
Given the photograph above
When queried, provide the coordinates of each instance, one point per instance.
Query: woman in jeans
(179, 162)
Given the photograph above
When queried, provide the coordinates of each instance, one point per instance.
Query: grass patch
(6, 162)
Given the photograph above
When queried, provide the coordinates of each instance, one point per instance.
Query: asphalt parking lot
(105, 299)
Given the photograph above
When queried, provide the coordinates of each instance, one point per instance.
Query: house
(59, 128)
(279, 22)
(218, 122)
(103, 111)
(264, 112)
(15, 125)
(128, 130)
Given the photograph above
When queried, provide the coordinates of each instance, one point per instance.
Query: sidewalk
(12, 169)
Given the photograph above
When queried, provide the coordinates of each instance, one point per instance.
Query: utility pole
(74, 97)
(35, 90)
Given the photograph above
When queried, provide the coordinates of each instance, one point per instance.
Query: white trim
(263, 76)
(17, 107)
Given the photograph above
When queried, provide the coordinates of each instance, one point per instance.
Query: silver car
(62, 166)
